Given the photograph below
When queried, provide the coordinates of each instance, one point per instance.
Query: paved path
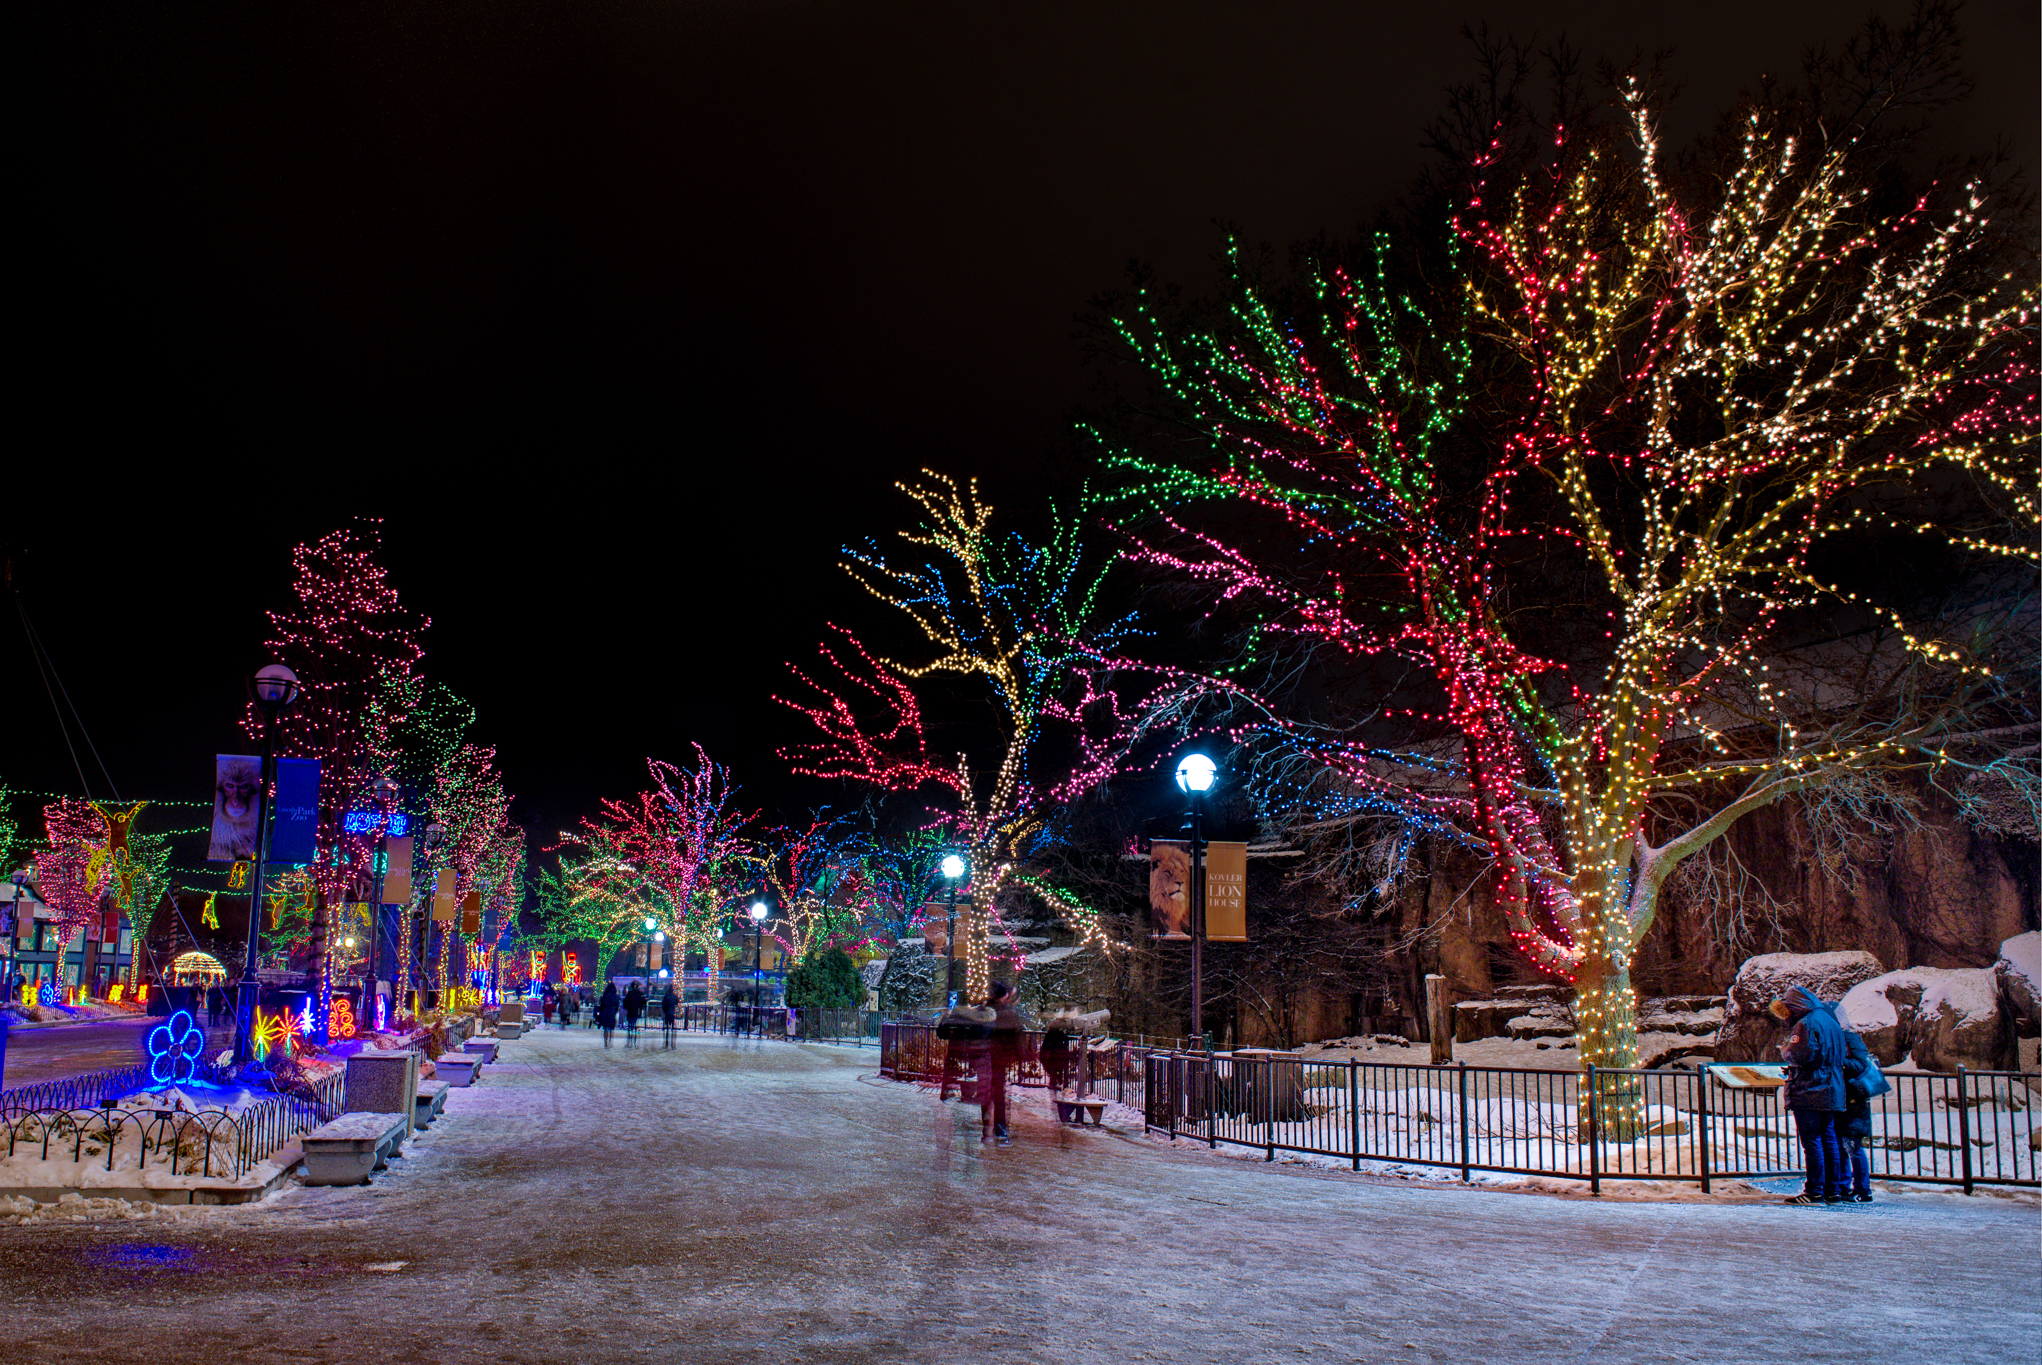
(737, 1201)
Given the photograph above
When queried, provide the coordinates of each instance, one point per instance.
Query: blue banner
(294, 838)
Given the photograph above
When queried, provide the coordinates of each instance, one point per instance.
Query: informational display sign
(1226, 892)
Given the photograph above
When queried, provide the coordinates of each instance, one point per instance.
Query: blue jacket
(1818, 1052)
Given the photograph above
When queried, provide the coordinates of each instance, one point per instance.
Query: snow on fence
(1967, 1128)
(212, 1143)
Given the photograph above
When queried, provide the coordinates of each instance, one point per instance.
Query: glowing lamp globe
(759, 911)
(276, 685)
(650, 923)
(953, 867)
(1195, 773)
(659, 936)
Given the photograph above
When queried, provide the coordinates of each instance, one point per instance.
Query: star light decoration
(1709, 394)
(1023, 622)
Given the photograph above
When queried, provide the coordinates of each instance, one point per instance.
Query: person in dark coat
(1003, 1053)
(1815, 1053)
(669, 1006)
(1056, 1054)
(1854, 1125)
(964, 1031)
(606, 1012)
(634, 1008)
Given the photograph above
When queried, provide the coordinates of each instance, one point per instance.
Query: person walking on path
(1003, 1051)
(606, 1012)
(669, 1005)
(964, 1032)
(634, 1010)
(1815, 1052)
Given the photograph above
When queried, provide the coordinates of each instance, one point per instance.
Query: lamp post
(955, 870)
(274, 688)
(1195, 773)
(758, 912)
(434, 832)
(384, 793)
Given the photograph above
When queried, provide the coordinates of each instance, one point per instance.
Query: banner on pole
(294, 836)
(936, 928)
(471, 913)
(1169, 888)
(236, 779)
(397, 876)
(1226, 892)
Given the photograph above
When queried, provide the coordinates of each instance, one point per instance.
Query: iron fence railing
(1965, 1128)
(1110, 1068)
(208, 1142)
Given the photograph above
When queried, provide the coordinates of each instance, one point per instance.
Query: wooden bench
(485, 1048)
(460, 1069)
(348, 1149)
(432, 1100)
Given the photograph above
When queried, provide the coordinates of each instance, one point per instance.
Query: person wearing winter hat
(1815, 1052)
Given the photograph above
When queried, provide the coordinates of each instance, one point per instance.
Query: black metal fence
(909, 1050)
(1966, 1128)
(208, 1142)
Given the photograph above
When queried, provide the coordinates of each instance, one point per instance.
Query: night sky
(624, 316)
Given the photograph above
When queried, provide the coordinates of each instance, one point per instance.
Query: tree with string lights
(670, 860)
(1010, 620)
(356, 652)
(1593, 521)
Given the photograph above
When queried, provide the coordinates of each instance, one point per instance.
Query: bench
(510, 1031)
(485, 1048)
(432, 1099)
(458, 1068)
(1076, 1111)
(346, 1150)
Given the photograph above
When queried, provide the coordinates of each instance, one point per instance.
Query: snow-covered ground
(741, 1201)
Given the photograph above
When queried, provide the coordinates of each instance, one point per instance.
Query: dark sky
(625, 316)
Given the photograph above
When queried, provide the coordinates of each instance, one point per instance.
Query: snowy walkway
(739, 1201)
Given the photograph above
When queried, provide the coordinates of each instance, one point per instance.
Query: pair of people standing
(984, 1042)
(1830, 1084)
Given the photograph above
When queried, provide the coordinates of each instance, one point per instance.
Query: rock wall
(1944, 896)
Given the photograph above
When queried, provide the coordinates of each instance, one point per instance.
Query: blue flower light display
(174, 1047)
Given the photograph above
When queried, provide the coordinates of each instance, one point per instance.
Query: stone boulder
(1942, 1017)
(2019, 978)
(1749, 1032)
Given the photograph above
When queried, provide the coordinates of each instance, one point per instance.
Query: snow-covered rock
(1942, 1017)
(1749, 1032)
(2019, 974)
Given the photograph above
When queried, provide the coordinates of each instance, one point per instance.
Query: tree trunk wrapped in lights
(1618, 490)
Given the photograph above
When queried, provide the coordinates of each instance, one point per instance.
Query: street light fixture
(384, 793)
(758, 912)
(1195, 774)
(956, 870)
(274, 688)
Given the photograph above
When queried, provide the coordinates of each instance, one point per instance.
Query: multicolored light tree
(674, 854)
(1014, 620)
(1596, 490)
(356, 653)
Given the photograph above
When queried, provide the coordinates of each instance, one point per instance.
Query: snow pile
(2019, 976)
